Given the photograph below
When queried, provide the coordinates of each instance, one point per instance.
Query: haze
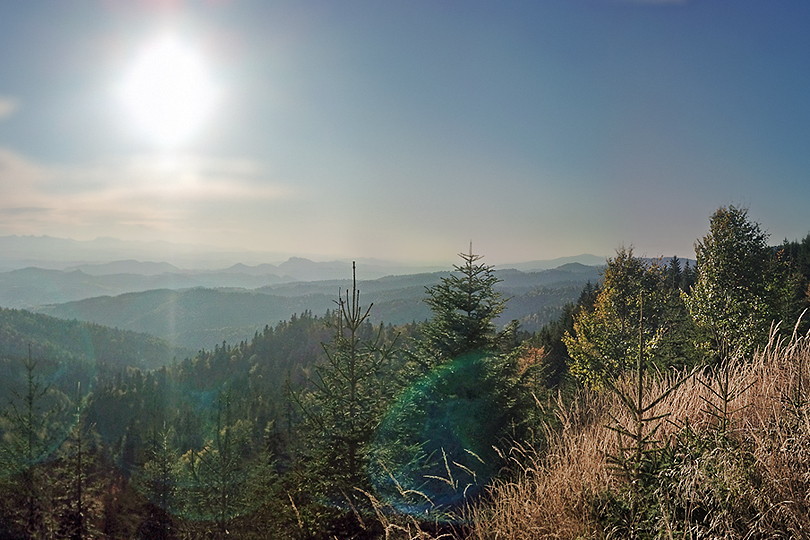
(404, 130)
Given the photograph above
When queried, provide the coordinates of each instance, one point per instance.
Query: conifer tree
(217, 474)
(158, 481)
(797, 255)
(348, 394)
(465, 306)
(475, 381)
(79, 487)
(32, 425)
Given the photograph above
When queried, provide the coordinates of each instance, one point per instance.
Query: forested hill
(201, 318)
(62, 340)
(194, 318)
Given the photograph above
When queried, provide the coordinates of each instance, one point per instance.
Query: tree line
(331, 426)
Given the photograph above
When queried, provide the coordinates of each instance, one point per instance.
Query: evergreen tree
(741, 287)
(797, 255)
(348, 395)
(78, 486)
(440, 443)
(32, 427)
(465, 305)
(271, 515)
(688, 277)
(157, 480)
(674, 272)
(216, 478)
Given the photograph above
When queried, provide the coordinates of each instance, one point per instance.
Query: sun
(168, 92)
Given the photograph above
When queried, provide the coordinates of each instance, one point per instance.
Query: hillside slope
(201, 318)
(60, 340)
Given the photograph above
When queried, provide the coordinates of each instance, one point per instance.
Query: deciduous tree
(741, 288)
(604, 341)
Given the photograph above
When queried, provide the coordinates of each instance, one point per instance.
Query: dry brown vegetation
(731, 463)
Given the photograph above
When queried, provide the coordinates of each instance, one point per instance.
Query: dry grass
(751, 481)
(536, 506)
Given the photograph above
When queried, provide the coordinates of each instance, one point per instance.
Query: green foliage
(639, 450)
(604, 340)
(797, 255)
(213, 480)
(75, 342)
(741, 287)
(549, 338)
(76, 478)
(638, 447)
(437, 446)
(464, 305)
(33, 427)
(158, 481)
(700, 487)
(348, 395)
(50, 461)
(34, 423)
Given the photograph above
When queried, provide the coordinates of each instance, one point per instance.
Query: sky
(404, 130)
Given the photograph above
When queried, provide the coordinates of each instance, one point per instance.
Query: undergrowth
(731, 459)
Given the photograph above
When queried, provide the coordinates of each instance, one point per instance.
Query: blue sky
(404, 130)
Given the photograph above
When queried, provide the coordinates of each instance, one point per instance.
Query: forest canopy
(332, 425)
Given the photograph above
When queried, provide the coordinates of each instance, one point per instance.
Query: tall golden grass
(750, 481)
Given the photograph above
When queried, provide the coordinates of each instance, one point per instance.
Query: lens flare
(433, 451)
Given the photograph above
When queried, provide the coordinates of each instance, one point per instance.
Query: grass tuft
(735, 460)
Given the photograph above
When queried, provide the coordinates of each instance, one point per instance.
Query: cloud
(140, 197)
(14, 165)
(23, 210)
(8, 106)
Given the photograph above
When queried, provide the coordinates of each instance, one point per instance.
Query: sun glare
(168, 92)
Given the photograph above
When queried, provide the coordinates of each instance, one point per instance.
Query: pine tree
(674, 272)
(465, 306)
(80, 496)
(797, 255)
(217, 474)
(440, 443)
(158, 480)
(348, 395)
(32, 426)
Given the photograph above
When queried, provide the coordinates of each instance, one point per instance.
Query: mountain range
(203, 317)
(94, 256)
(195, 298)
(61, 273)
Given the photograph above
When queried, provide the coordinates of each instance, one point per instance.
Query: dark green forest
(336, 425)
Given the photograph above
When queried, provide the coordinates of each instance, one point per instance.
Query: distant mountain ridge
(95, 256)
(203, 317)
(585, 259)
(129, 266)
(30, 287)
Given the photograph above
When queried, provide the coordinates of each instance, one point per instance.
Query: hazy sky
(404, 130)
